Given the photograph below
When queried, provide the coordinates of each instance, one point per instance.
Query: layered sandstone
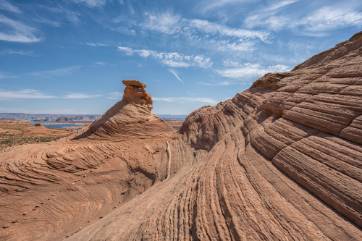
(279, 161)
(130, 116)
(49, 191)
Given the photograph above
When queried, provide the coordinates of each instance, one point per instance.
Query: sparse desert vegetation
(15, 132)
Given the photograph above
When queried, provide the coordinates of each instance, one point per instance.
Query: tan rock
(135, 93)
(279, 161)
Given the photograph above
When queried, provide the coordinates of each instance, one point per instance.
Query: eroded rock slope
(279, 161)
(49, 191)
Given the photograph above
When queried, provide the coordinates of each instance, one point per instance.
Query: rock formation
(130, 116)
(279, 161)
(135, 93)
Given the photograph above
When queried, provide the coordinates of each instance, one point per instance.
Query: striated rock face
(49, 191)
(279, 161)
(130, 116)
(283, 162)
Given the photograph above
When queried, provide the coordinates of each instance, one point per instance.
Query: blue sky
(68, 56)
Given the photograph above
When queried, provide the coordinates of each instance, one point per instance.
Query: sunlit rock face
(135, 92)
(130, 116)
(281, 160)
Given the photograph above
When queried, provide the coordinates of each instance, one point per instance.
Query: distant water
(173, 117)
(51, 125)
(60, 125)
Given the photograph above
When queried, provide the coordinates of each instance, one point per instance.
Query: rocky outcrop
(279, 161)
(135, 93)
(132, 116)
(49, 191)
(279, 164)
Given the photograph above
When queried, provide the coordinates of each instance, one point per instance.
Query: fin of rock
(132, 116)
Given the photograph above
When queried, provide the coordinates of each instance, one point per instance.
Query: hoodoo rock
(130, 116)
(135, 93)
(281, 160)
(51, 190)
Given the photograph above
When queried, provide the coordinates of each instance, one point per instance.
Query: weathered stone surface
(135, 93)
(279, 161)
(130, 116)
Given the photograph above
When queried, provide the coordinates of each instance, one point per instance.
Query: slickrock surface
(279, 161)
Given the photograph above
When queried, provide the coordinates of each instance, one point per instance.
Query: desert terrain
(281, 160)
(15, 132)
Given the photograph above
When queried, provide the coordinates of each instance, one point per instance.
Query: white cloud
(249, 70)
(238, 46)
(165, 23)
(267, 17)
(58, 15)
(80, 96)
(17, 31)
(186, 99)
(93, 44)
(209, 5)
(330, 18)
(114, 95)
(215, 36)
(220, 83)
(317, 23)
(215, 28)
(5, 5)
(169, 23)
(126, 50)
(24, 94)
(91, 3)
(171, 59)
(36, 94)
(16, 52)
(174, 73)
(55, 72)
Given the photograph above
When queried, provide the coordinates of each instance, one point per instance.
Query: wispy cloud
(210, 5)
(17, 31)
(24, 94)
(169, 23)
(249, 70)
(80, 96)
(220, 83)
(55, 72)
(56, 15)
(91, 3)
(114, 95)
(5, 5)
(166, 22)
(96, 44)
(174, 73)
(204, 33)
(319, 22)
(16, 52)
(219, 29)
(171, 59)
(186, 99)
(267, 17)
(330, 18)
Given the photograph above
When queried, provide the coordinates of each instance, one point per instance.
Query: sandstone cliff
(279, 161)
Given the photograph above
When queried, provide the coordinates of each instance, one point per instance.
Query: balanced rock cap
(134, 83)
(135, 93)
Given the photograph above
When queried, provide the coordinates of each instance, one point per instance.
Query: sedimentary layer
(279, 161)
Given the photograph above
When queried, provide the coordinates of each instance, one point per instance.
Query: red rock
(279, 161)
